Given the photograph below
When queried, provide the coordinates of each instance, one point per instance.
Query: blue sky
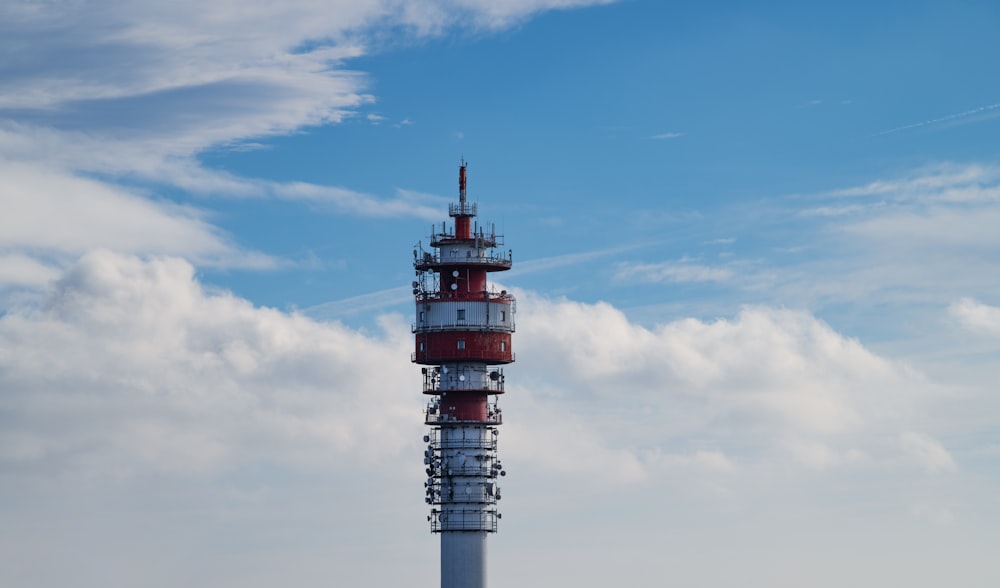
(754, 254)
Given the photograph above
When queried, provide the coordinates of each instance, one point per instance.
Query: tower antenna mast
(462, 337)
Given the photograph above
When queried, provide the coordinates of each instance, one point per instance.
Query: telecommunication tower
(463, 336)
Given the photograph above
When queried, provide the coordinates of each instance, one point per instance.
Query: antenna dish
(454, 274)
(454, 286)
(461, 378)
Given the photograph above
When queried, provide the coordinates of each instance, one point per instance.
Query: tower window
(503, 316)
(461, 343)
(461, 314)
(421, 346)
(503, 346)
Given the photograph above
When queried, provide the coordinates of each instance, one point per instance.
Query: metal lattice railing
(464, 520)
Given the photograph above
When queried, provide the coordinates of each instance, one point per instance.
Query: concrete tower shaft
(463, 334)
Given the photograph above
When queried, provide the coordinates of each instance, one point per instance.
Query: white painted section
(465, 377)
(476, 315)
(463, 560)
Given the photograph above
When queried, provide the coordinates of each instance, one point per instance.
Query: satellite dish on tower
(454, 274)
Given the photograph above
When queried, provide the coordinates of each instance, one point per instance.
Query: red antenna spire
(461, 181)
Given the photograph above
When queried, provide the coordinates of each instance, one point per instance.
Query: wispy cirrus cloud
(111, 95)
(945, 182)
(668, 135)
(668, 271)
(923, 236)
(965, 117)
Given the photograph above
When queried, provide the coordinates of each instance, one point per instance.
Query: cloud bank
(125, 377)
(131, 361)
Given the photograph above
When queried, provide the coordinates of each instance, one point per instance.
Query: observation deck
(436, 260)
(437, 383)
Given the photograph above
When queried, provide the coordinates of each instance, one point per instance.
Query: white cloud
(781, 378)
(137, 91)
(64, 215)
(924, 237)
(21, 270)
(669, 135)
(203, 414)
(504, 13)
(134, 365)
(942, 182)
(832, 211)
(672, 272)
(365, 302)
(926, 451)
(976, 316)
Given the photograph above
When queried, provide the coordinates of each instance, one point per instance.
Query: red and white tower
(463, 335)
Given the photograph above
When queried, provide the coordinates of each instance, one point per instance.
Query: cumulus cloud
(129, 380)
(768, 384)
(133, 364)
(130, 362)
